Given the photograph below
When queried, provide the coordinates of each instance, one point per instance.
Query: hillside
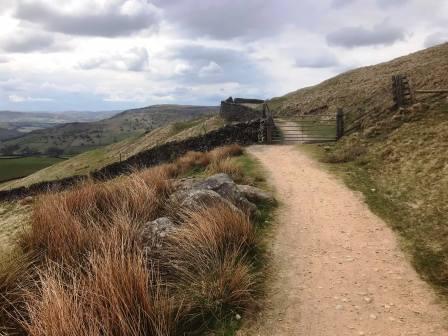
(369, 88)
(15, 124)
(74, 138)
(93, 160)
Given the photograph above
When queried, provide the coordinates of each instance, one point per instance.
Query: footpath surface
(338, 269)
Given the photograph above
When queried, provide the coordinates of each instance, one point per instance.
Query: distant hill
(54, 117)
(74, 138)
(96, 159)
(14, 124)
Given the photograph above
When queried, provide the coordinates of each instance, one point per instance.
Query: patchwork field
(17, 167)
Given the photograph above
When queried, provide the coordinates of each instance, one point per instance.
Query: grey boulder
(254, 194)
(228, 189)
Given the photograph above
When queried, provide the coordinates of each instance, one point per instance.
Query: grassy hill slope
(74, 138)
(368, 88)
(15, 124)
(398, 158)
(96, 159)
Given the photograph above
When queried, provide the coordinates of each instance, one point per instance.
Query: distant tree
(54, 151)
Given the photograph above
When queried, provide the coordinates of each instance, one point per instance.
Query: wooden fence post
(339, 124)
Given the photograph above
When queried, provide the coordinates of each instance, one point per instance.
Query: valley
(74, 138)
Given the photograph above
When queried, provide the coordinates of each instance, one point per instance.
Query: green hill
(96, 159)
(74, 138)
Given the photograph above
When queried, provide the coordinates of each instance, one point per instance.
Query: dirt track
(338, 269)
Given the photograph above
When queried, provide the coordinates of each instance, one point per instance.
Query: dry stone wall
(245, 133)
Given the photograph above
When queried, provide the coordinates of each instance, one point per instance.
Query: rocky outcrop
(154, 232)
(193, 194)
(217, 188)
(255, 195)
(228, 189)
(196, 198)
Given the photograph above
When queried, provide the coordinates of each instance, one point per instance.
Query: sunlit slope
(96, 159)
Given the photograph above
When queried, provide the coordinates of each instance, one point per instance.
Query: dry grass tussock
(85, 270)
(212, 255)
(228, 166)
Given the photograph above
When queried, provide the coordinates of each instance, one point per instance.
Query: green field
(11, 168)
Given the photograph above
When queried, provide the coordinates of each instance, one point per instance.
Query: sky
(62, 55)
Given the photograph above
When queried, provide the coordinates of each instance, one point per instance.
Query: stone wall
(241, 133)
(232, 112)
(247, 101)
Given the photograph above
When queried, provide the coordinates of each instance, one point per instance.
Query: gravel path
(338, 267)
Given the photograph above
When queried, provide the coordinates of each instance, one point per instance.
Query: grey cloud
(215, 65)
(136, 59)
(435, 39)
(227, 19)
(341, 3)
(391, 3)
(27, 41)
(319, 60)
(351, 37)
(110, 21)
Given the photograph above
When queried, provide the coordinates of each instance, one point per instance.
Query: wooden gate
(306, 129)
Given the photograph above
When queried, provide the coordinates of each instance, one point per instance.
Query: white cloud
(135, 59)
(183, 68)
(210, 69)
(436, 38)
(20, 99)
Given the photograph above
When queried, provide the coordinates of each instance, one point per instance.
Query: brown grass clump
(211, 256)
(227, 166)
(120, 295)
(63, 224)
(226, 151)
(14, 277)
(192, 160)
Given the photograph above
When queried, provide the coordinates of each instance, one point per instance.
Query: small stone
(238, 317)
(367, 299)
(373, 316)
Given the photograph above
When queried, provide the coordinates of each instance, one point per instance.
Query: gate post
(339, 124)
(269, 127)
